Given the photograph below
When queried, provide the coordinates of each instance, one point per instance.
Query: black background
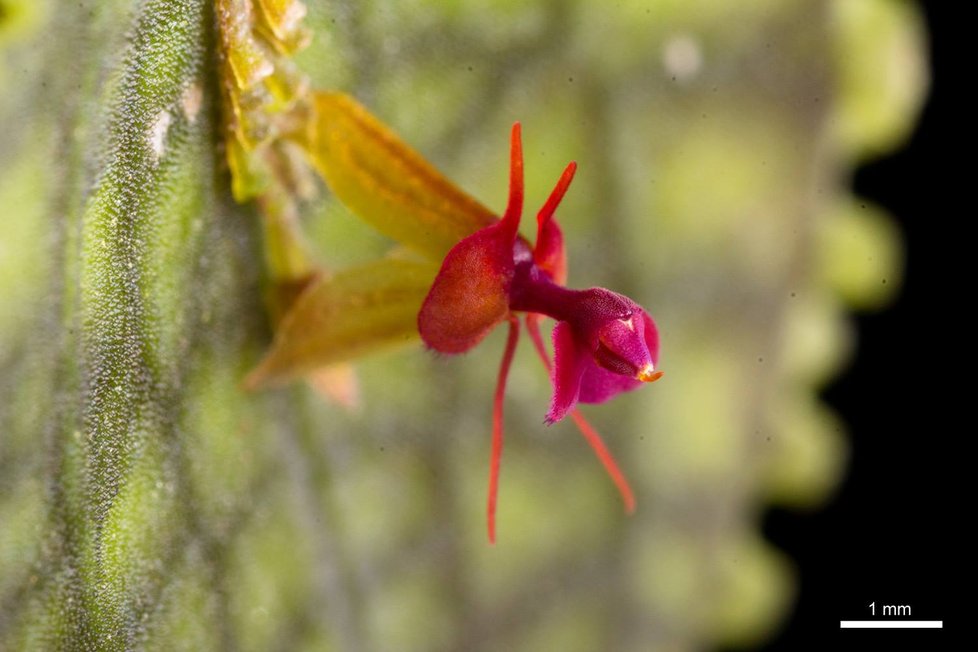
(890, 534)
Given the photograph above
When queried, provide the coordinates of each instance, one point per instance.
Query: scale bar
(891, 624)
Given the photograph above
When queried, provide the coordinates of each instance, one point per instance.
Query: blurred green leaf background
(147, 502)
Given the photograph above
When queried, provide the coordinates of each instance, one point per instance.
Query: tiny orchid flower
(475, 272)
(604, 343)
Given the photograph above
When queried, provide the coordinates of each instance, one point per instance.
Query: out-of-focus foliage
(146, 501)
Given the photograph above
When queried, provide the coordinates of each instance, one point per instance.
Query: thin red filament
(556, 195)
(593, 438)
(514, 207)
(497, 424)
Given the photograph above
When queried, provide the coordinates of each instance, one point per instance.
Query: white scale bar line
(892, 624)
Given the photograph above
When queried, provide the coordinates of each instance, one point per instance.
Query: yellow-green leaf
(339, 318)
(386, 183)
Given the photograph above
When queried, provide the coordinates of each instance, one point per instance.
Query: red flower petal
(470, 295)
(598, 384)
(651, 335)
(549, 253)
(570, 362)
